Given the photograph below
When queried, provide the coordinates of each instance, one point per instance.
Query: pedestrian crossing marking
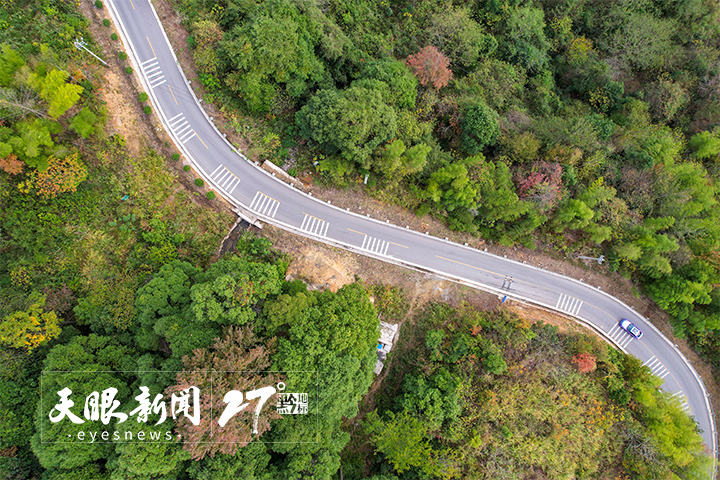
(375, 245)
(314, 225)
(569, 304)
(656, 367)
(618, 335)
(264, 204)
(153, 72)
(225, 179)
(181, 128)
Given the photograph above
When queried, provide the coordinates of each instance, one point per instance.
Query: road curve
(258, 194)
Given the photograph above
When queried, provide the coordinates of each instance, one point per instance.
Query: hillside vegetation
(488, 395)
(109, 276)
(589, 126)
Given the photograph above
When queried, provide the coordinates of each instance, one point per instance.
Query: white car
(630, 327)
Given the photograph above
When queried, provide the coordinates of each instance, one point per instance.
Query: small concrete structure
(279, 172)
(388, 332)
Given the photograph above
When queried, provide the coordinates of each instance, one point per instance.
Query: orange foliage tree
(430, 66)
(62, 175)
(11, 164)
(585, 362)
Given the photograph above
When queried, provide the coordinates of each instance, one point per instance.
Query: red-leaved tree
(585, 362)
(235, 362)
(542, 184)
(430, 66)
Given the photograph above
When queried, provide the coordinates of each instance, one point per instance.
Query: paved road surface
(257, 193)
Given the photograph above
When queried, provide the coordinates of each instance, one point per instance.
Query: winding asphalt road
(258, 195)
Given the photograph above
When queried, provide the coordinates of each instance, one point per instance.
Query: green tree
(434, 399)
(84, 123)
(351, 123)
(251, 462)
(149, 459)
(396, 160)
(275, 45)
(526, 43)
(336, 337)
(450, 186)
(480, 128)
(457, 35)
(643, 40)
(404, 440)
(10, 63)
(187, 307)
(83, 366)
(402, 84)
(52, 88)
(705, 145)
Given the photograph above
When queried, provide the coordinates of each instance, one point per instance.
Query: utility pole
(80, 45)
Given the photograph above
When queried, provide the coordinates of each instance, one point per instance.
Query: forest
(490, 395)
(578, 126)
(550, 122)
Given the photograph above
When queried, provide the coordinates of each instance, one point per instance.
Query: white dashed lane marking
(569, 304)
(620, 336)
(314, 225)
(181, 128)
(375, 245)
(153, 72)
(225, 179)
(264, 205)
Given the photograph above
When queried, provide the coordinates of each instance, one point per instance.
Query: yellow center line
(171, 93)
(133, 5)
(357, 232)
(201, 140)
(313, 216)
(151, 47)
(399, 245)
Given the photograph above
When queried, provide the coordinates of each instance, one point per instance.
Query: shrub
(199, 182)
(143, 97)
(122, 55)
(175, 156)
(147, 109)
(186, 168)
(98, 4)
(113, 37)
(106, 22)
(128, 69)
(210, 195)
